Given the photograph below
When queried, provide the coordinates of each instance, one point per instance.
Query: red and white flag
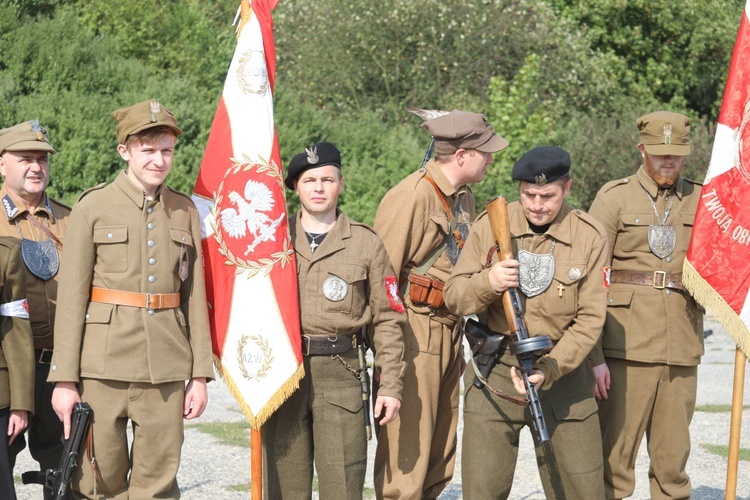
(717, 268)
(249, 261)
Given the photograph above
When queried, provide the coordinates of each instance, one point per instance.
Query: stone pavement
(213, 471)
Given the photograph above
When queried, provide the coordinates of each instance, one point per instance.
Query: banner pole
(735, 425)
(256, 463)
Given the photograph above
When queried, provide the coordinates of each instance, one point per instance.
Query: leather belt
(319, 345)
(43, 356)
(657, 279)
(134, 299)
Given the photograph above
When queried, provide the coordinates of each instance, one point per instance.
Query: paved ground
(210, 470)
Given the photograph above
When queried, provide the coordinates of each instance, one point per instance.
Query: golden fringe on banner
(715, 303)
(286, 390)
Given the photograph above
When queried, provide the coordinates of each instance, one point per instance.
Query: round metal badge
(41, 258)
(574, 273)
(335, 289)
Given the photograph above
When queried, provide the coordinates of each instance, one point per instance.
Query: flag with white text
(717, 267)
(249, 262)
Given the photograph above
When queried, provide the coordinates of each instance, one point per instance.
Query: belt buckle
(156, 297)
(663, 277)
(305, 345)
(45, 357)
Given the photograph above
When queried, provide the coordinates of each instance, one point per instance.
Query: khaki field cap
(464, 130)
(142, 116)
(26, 136)
(665, 133)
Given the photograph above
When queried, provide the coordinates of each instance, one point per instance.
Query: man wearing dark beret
(423, 222)
(346, 287)
(38, 223)
(647, 363)
(560, 254)
(132, 323)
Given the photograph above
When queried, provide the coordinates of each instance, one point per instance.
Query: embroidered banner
(717, 267)
(249, 262)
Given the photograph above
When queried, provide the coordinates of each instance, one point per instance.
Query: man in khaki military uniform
(653, 336)
(16, 359)
(38, 223)
(132, 324)
(345, 284)
(561, 253)
(423, 222)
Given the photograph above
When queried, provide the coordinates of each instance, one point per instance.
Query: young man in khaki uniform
(16, 359)
(37, 222)
(346, 284)
(561, 253)
(653, 336)
(132, 324)
(423, 222)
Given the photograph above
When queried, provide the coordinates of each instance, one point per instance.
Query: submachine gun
(58, 480)
(526, 349)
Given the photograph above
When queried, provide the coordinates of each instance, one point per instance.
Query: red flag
(249, 262)
(717, 267)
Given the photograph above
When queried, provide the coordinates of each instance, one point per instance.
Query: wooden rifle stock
(523, 346)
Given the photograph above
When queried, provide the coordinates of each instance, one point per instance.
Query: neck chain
(662, 239)
(667, 196)
(312, 237)
(554, 242)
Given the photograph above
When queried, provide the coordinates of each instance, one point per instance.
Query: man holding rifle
(561, 253)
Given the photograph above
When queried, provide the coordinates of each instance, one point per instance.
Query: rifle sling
(497, 392)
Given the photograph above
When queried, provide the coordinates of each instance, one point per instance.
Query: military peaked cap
(142, 116)
(665, 133)
(26, 136)
(464, 130)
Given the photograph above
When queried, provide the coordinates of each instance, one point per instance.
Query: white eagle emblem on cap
(540, 179)
(667, 129)
(312, 155)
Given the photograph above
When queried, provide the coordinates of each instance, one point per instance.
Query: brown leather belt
(318, 345)
(43, 356)
(657, 279)
(134, 299)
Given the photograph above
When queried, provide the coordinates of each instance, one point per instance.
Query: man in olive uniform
(132, 324)
(653, 336)
(38, 223)
(16, 359)
(561, 253)
(345, 284)
(423, 222)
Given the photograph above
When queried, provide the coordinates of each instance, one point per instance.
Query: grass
(723, 451)
(717, 408)
(228, 433)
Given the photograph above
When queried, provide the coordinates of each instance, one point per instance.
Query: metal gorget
(535, 271)
(458, 237)
(40, 257)
(661, 238)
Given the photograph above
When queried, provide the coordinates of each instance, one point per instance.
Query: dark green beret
(541, 165)
(319, 154)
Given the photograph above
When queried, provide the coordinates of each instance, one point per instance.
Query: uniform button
(151, 312)
(183, 238)
(151, 243)
(152, 261)
(669, 292)
(150, 225)
(638, 220)
(87, 316)
(610, 301)
(110, 235)
(53, 368)
(669, 259)
(150, 210)
(151, 279)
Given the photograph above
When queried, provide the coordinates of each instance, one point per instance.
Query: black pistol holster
(486, 347)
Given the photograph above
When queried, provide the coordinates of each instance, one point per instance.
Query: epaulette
(363, 226)
(590, 220)
(89, 190)
(59, 203)
(482, 214)
(8, 242)
(691, 181)
(180, 193)
(613, 184)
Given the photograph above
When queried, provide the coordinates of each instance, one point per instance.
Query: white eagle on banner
(249, 215)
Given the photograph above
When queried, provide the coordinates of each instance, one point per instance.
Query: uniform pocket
(98, 320)
(564, 299)
(618, 318)
(633, 230)
(440, 219)
(111, 248)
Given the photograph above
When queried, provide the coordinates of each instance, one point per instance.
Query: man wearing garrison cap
(560, 254)
(346, 286)
(423, 222)
(37, 222)
(132, 322)
(647, 362)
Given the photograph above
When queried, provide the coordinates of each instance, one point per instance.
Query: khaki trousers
(321, 422)
(570, 467)
(155, 412)
(416, 453)
(658, 400)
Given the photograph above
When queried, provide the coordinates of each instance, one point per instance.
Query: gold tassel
(244, 12)
(715, 303)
